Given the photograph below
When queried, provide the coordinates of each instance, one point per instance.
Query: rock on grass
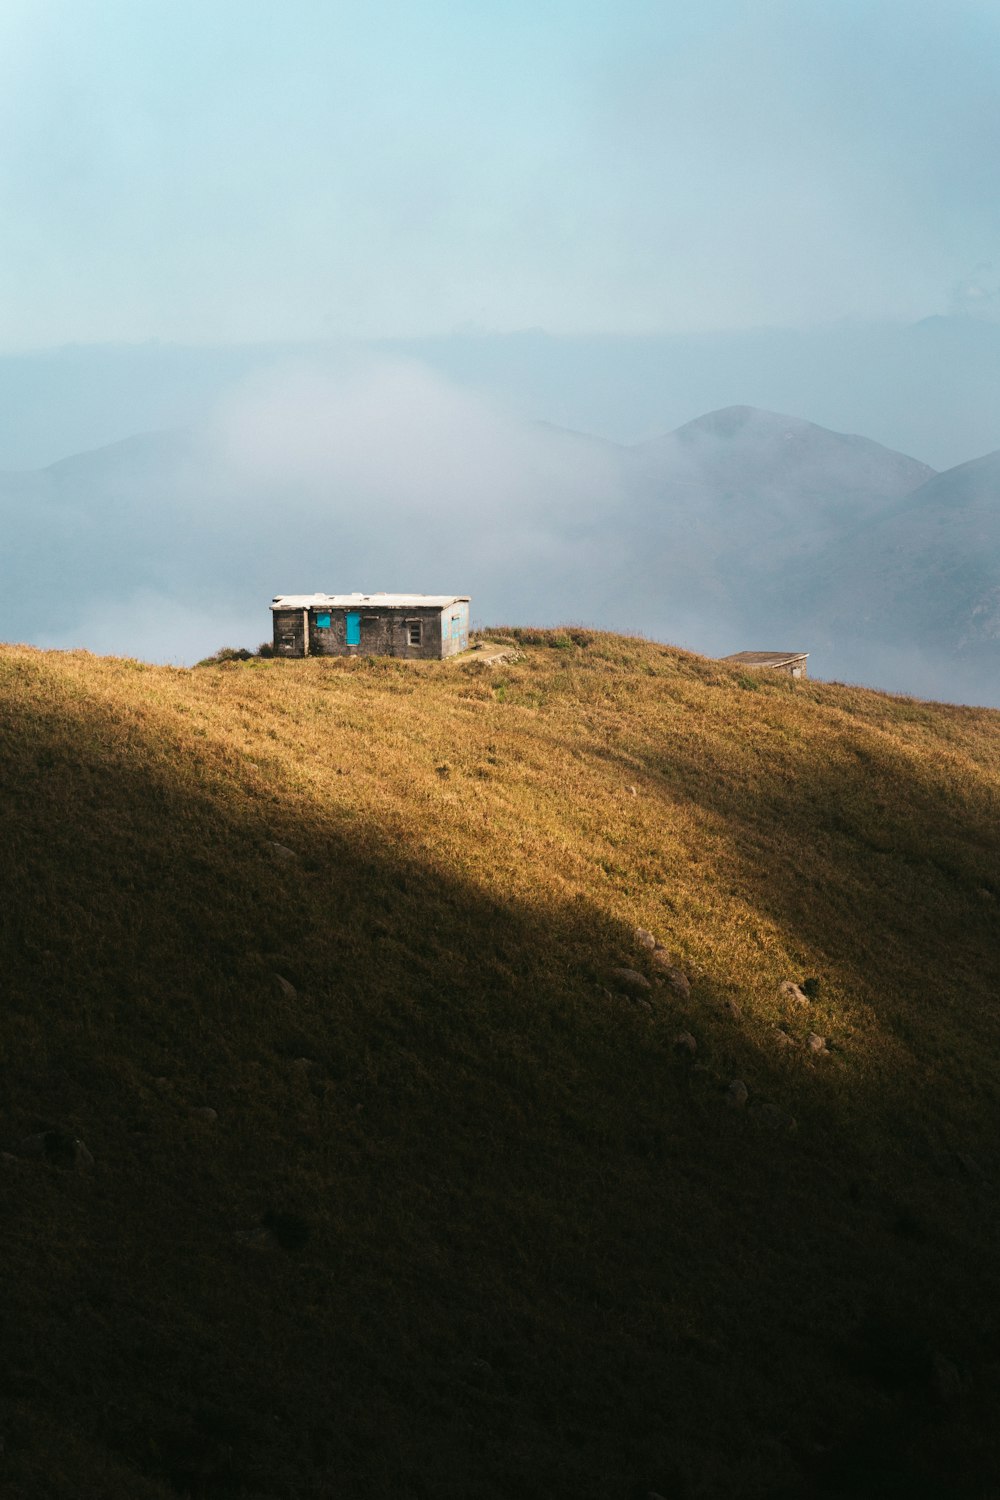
(671, 974)
(631, 980)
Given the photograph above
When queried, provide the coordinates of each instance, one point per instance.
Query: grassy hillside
(397, 1188)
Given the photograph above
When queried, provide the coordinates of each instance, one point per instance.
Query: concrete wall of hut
(289, 633)
(383, 632)
(455, 628)
(785, 668)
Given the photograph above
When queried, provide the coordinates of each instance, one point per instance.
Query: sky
(216, 171)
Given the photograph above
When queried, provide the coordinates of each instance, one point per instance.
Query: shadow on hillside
(868, 857)
(460, 1223)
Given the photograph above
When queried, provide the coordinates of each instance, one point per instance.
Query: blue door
(353, 628)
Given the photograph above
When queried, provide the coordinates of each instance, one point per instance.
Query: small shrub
(811, 988)
(227, 653)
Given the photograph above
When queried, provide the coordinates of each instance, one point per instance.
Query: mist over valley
(742, 528)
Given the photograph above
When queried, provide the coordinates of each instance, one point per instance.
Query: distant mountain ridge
(742, 528)
(929, 569)
(747, 437)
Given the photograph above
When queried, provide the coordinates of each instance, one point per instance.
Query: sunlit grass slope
(467, 1220)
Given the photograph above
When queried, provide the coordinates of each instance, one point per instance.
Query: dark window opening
(413, 633)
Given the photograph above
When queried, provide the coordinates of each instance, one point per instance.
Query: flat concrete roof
(765, 658)
(380, 601)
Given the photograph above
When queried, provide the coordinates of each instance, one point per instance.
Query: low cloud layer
(744, 529)
(375, 475)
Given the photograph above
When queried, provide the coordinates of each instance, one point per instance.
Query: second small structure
(791, 663)
(419, 626)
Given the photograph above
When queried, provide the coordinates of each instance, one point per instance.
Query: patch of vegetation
(341, 1158)
(237, 653)
(558, 639)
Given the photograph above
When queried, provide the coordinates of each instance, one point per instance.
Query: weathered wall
(455, 629)
(288, 632)
(383, 632)
(797, 667)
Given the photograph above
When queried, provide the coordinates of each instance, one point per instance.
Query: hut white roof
(354, 601)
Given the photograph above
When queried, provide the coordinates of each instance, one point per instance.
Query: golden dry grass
(528, 1250)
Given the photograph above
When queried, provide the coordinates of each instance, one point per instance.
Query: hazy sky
(213, 170)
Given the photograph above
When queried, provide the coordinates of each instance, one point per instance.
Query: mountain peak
(732, 421)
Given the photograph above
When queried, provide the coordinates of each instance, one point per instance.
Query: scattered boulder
(817, 1045)
(281, 853)
(793, 992)
(670, 974)
(645, 939)
(685, 1043)
(729, 1008)
(776, 1119)
(59, 1149)
(631, 980)
(286, 988)
(737, 1094)
(783, 1039)
(203, 1112)
(305, 1066)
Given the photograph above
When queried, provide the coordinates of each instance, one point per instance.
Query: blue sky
(218, 171)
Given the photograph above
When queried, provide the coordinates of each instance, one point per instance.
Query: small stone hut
(417, 626)
(791, 663)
